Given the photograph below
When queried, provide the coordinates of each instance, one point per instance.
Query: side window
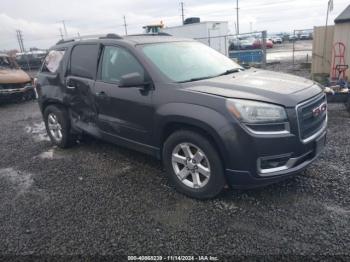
(117, 62)
(52, 61)
(84, 61)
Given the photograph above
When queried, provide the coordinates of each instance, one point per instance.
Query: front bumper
(17, 93)
(245, 153)
(245, 179)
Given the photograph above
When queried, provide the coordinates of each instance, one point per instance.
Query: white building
(211, 33)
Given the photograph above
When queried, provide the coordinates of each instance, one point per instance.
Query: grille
(11, 86)
(309, 122)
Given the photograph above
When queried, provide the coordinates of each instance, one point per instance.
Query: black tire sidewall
(216, 181)
(62, 117)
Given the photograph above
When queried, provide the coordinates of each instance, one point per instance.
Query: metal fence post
(294, 39)
(264, 36)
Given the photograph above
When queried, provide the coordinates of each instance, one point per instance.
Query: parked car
(247, 44)
(257, 44)
(30, 60)
(208, 120)
(276, 40)
(14, 82)
(293, 38)
(234, 44)
(304, 37)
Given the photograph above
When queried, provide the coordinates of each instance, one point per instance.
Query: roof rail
(87, 37)
(153, 34)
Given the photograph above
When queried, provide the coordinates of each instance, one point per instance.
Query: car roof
(129, 39)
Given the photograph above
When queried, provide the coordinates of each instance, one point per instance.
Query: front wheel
(193, 165)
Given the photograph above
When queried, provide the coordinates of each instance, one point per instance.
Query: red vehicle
(258, 44)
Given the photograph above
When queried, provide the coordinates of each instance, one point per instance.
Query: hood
(261, 85)
(13, 76)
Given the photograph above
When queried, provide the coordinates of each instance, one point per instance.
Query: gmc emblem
(320, 109)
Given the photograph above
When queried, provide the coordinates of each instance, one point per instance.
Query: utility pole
(329, 9)
(61, 34)
(237, 10)
(20, 40)
(125, 26)
(65, 28)
(182, 13)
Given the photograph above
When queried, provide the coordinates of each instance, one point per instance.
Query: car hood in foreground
(13, 76)
(261, 85)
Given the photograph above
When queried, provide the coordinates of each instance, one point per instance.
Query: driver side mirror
(132, 80)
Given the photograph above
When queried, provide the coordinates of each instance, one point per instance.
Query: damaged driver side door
(79, 84)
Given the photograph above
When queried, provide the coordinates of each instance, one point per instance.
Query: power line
(125, 26)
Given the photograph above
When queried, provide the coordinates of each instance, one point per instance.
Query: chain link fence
(246, 49)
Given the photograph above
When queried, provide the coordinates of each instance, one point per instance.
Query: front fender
(204, 118)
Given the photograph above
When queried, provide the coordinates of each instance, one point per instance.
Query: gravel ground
(97, 198)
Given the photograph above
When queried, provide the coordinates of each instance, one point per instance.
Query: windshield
(188, 61)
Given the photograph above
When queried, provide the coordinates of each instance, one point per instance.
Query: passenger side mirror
(132, 80)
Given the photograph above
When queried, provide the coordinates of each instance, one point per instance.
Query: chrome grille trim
(323, 126)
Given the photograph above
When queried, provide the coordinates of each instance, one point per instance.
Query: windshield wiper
(227, 72)
(231, 71)
(196, 79)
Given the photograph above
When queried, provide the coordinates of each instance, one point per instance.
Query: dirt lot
(97, 198)
(284, 51)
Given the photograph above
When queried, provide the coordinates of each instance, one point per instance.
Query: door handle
(101, 94)
(71, 84)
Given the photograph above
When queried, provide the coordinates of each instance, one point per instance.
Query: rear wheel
(58, 126)
(193, 165)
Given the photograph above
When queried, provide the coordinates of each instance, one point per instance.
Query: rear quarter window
(84, 60)
(52, 61)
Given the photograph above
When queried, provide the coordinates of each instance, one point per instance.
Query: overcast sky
(39, 19)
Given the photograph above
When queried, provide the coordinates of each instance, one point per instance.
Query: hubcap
(55, 127)
(191, 165)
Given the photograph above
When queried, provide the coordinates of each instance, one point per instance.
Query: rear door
(80, 81)
(125, 113)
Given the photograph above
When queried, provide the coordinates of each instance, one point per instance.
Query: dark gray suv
(211, 122)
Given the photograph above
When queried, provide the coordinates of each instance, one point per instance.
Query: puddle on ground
(47, 154)
(52, 153)
(338, 210)
(21, 180)
(38, 131)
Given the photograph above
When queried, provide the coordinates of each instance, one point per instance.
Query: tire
(347, 105)
(208, 186)
(62, 127)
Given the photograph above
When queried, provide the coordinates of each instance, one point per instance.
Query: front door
(125, 113)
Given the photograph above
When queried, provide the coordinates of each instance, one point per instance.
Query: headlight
(253, 112)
